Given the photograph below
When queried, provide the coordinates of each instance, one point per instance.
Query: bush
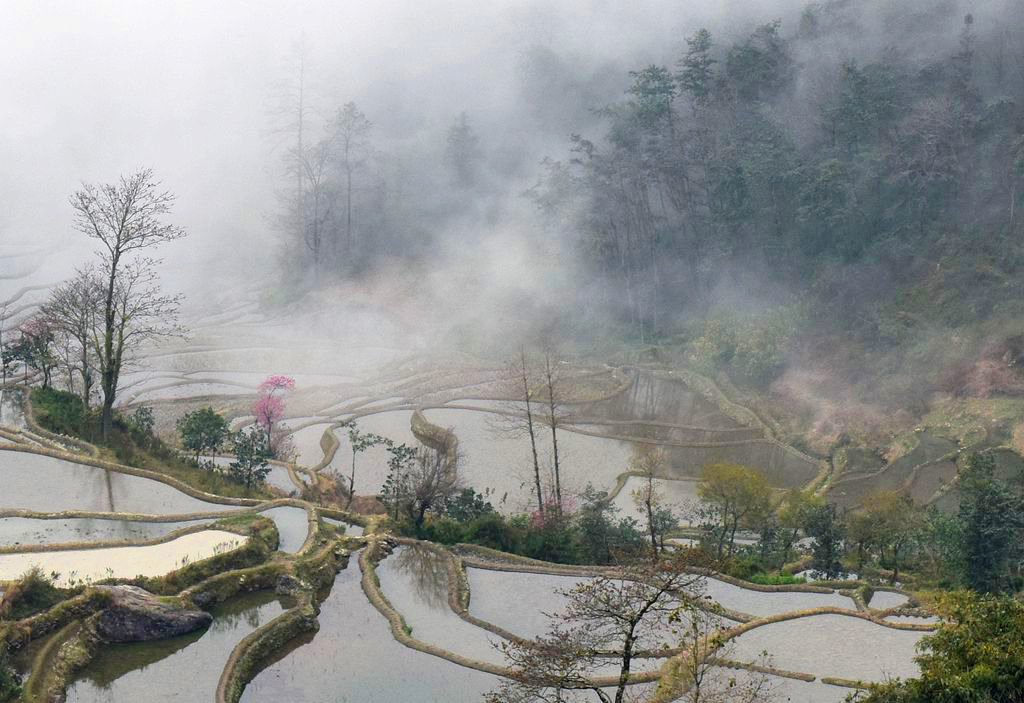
(60, 411)
(443, 530)
(10, 682)
(776, 579)
(35, 592)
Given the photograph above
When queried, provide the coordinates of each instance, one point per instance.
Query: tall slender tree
(127, 218)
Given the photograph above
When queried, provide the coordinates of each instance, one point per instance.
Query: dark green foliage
(592, 535)
(604, 537)
(775, 579)
(883, 191)
(826, 530)
(250, 467)
(33, 593)
(131, 440)
(396, 485)
(992, 519)
(10, 682)
(467, 505)
(975, 656)
(696, 68)
(61, 412)
(761, 66)
(202, 431)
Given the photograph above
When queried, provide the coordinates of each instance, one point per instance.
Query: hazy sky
(90, 89)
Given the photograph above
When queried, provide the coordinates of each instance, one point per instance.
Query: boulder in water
(136, 615)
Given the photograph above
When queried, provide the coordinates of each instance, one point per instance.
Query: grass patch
(776, 579)
(128, 444)
(34, 593)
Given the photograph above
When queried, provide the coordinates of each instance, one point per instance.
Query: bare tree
(290, 115)
(703, 678)
(649, 461)
(74, 309)
(3, 349)
(607, 618)
(527, 395)
(127, 217)
(521, 418)
(433, 479)
(315, 164)
(351, 133)
(553, 418)
(420, 479)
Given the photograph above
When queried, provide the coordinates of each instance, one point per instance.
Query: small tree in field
(827, 530)
(420, 480)
(648, 462)
(203, 431)
(732, 497)
(35, 347)
(619, 616)
(269, 408)
(360, 441)
(250, 467)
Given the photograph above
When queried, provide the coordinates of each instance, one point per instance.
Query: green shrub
(444, 530)
(34, 593)
(59, 411)
(10, 681)
(776, 579)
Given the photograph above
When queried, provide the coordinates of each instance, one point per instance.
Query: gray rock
(136, 615)
(289, 585)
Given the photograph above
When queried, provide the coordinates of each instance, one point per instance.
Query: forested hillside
(826, 208)
(858, 195)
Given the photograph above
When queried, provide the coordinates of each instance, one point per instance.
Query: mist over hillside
(830, 215)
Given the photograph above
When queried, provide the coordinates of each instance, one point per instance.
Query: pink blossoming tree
(269, 408)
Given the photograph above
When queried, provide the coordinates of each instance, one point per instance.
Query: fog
(93, 90)
(89, 91)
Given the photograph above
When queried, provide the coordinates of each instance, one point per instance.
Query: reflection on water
(833, 645)
(292, 526)
(11, 414)
(426, 571)
(184, 668)
(23, 530)
(29, 481)
(415, 580)
(354, 659)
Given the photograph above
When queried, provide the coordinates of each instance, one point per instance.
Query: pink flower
(268, 409)
(277, 383)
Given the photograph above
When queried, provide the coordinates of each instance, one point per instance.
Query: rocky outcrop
(135, 615)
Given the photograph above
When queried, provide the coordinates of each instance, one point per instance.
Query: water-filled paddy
(292, 526)
(351, 530)
(493, 458)
(517, 601)
(354, 659)
(120, 562)
(771, 603)
(881, 600)
(415, 581)
(677, 495)
(43, 483)
(372, 464)
(184, 668)
(306, 442)
(778, 688)
(833, 645)
(11, 414)
(22, 530)
(188, 390)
